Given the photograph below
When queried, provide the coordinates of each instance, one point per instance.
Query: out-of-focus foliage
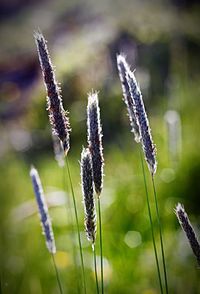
(161, 40)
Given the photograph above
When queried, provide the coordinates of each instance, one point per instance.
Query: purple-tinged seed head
(94, 137)
(148, 146)
(189, 231)
(57, 115)
(88, 194)
(123, 67)
(43, 211)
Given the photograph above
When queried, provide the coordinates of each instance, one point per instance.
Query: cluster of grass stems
(91, 165)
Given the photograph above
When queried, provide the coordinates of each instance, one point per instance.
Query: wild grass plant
(59, 122)
(89, 203)
(45, 219)
(122, 184)
(94, 137)
(141, 129)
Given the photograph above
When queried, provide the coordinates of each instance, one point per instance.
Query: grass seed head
(57, 115)
(43, 211)
(148, 146)
(88, 194)
(189, 231)
(94, 136)
(122, 69)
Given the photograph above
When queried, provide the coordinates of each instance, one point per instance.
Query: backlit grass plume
(94, 136)
(43, 211)
(95, 140)
(143, 122)
(141, 118)
(122, 69)
(136, 106)
(88, 194)
(57, 115)
(189, 231)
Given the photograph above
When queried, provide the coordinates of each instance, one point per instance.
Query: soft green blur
(83, 41)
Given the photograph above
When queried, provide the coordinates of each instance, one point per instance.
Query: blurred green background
(161, 40)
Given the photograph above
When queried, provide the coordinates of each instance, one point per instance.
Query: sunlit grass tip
(43, 211)
(57, 115)
(88, 195)
(188, 229)
(148, 146)
(94, 136)
(123, 67)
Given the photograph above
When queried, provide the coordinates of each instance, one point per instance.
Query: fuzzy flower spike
(148, 146)
(122, 69)
(189, 231)
(57, 115)
(88, 195)
(95, 140)
(43, 211)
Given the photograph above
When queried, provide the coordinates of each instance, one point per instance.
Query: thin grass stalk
(77, 225)
(57, 274)
(59, 157)
(95, 267)
(151, 224)
(101, 243)
(1, 284)
(160, 234)
(70, 217)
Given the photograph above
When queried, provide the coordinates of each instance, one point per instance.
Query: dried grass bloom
(94, 136)
(88, 194)
(189, 231)
(57, 115)
(43, 211)
(123, 68)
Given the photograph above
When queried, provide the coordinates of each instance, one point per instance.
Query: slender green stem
(160, 233)
(95, 267)
(77, 225)
(101, 242)
(1, 286)
(57, 274)
(151, 223)
(70, 218)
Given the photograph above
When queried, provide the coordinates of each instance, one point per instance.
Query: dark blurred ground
(161, 39)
